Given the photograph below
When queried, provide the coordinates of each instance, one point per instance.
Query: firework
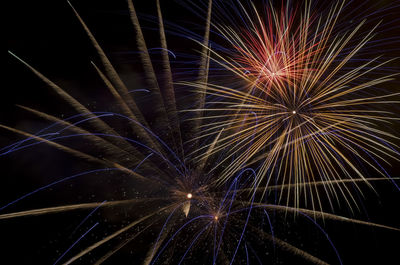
(272, 51)
(306, 107)
(174, 194)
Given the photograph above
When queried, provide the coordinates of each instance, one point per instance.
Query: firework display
(230, 155)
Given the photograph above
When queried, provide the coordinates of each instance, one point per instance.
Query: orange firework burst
(273, 51)
(269, 52)
(312, 121)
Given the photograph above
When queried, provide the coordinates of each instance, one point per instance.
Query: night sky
(47, 35)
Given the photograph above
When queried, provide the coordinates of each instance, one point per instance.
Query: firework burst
(307, 108)
(272, 50)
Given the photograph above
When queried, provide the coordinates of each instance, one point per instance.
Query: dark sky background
(48, 36)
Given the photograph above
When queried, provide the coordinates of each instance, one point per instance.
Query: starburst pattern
(315, 118)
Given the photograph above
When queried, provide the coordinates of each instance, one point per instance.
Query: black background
(47, 35)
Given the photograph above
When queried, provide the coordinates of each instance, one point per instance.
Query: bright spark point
(189, 195)
(294, 112)
(216, 218)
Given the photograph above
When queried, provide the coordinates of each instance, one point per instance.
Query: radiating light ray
(288, 247)
(59, 209)
(168, 91)
(323, 215)
(113, 235)
(122, 244)
(90, 229)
